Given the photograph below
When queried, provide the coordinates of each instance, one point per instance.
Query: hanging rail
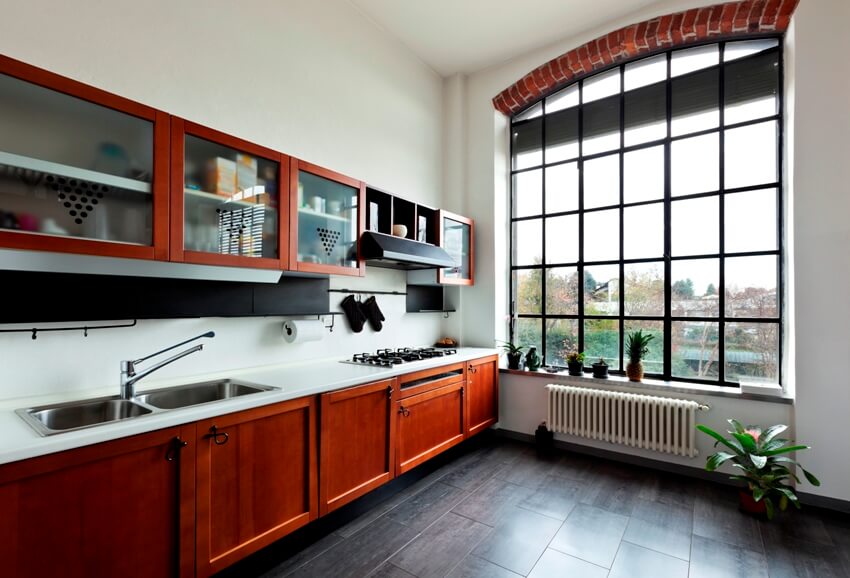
(364, 292)
(84, 328)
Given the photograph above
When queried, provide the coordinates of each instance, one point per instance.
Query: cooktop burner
(390, 357)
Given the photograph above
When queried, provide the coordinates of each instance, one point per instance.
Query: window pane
(695, 349)
(695, 165)
(735, 50)
(601, 85)
(562, 188)
(752, 352)
(602, 181)
(643, 231)
(751, 155)
(528, 291)
(645, 72)
(528, 193)
(695, 226)
(751, 286)
(688, 60)
(529, 332)
(752, 87)
(643, 174)
(601, 126)
(531, 112)
(694, 288)
(695, 102)
(562, 239)
(653, 361)
(562, 291)
(602, 290)
(562, 135)
(564, 99)
(645, 114)
(527, 144)
(561, 338)
(602, 339)
(528, 242)
(644, 289)
(751, 221)
(602, 235)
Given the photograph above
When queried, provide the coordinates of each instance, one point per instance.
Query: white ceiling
(469, 35)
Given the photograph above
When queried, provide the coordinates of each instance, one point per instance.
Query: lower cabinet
(482, 394)
(357, 439)
(256, 480)
(113, 509)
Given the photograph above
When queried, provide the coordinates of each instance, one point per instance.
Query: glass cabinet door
(456, 239)
(74, 169)
(231, 199)
(328, 222)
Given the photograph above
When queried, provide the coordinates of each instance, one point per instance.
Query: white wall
(311, 79)
(820, 173)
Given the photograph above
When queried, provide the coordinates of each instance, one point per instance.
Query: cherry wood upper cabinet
(120, 508)
(356, 442)
(456, 235)
(81, 170)
(256, 480)
(482, 394)
(228, 199)
(326, 218)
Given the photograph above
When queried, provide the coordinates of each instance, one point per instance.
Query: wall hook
(34, 333)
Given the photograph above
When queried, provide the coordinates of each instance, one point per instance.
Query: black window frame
(722, 318)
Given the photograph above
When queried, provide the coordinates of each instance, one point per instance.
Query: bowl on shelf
(399, 231)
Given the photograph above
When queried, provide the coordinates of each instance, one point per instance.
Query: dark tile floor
(501, 511)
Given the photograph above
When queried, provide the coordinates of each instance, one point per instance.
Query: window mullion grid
(622, 275)
(580, 167)
(543, 352)
(779, 206)
(668, 298)
(721, 298)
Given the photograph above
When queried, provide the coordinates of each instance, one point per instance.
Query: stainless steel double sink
(74, 415)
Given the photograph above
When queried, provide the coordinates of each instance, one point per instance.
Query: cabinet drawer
(428, 379)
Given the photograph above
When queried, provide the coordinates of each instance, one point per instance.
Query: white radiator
(661, 424)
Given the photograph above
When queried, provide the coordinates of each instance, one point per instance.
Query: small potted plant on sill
(600, 369)
(575, 363)
(766, 471)
(513, 353)
(637, 345)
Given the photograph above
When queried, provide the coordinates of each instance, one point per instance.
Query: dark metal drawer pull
(219, 438)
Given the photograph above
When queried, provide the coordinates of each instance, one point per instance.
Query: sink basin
(198, 393)
(53, 419)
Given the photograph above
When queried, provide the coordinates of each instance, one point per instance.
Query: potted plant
(766, 471)
(513, 352)
(575, 362)
(600, 369)
(637, 346)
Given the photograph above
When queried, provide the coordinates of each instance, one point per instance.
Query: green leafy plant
(601, 362)
(637, 345)
(575, 357)
(510, 348)
(759, 455)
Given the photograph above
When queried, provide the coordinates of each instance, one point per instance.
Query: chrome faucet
(129, 377)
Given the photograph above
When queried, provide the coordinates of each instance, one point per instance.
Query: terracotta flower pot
(634, 371)
(749, 505)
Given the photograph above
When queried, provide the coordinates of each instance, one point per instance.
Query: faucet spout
(129, 377)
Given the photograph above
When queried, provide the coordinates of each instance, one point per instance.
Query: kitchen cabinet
(430, 414)
(326, 219)
(81, 170)
(226, 197)
(357, 439)
(256, 480)
(456, 236)
(482, 394)
(120, 508)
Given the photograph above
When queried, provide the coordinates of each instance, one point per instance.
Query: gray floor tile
(712, 559)
(518, 540)
(669, 489)
(312, 551)
(491, 501)
(528, 470)
(637, 562)
(555, 497)
(423, 509)
(791, 557)
(554, 564)
(475, 567)
(592, 534)
(387, 570)
(661, 527)
(716, 516)
(473, 474)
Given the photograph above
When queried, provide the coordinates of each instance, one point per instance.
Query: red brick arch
(747, 17)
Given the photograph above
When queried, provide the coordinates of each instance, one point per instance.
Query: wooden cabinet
(81, 170)
(229, 199)
(430, 414)
(325, 222)
(357, 440)
(121, 508)
(256, 480)
(482, 394)
(456, 235)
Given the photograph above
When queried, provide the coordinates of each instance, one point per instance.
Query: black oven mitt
(353, 313)
(373, 313)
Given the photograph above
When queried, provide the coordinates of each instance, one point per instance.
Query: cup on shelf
(399, 231)
(317, 203)
(334, 207)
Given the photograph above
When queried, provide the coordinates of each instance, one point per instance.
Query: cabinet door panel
(482, 387)
(428, 424)
(357, 437)
(256, 480)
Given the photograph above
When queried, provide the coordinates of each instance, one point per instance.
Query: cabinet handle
(219, 437)
(390, 391)
(177, 444)
(404, 411)
(472, 370)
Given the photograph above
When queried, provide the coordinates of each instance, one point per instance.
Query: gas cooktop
(391, 357)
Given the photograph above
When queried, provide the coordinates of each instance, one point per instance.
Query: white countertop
(19, 441)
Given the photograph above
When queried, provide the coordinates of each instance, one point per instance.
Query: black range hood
(380, 250)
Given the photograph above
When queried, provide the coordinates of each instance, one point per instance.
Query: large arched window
(649, 196)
